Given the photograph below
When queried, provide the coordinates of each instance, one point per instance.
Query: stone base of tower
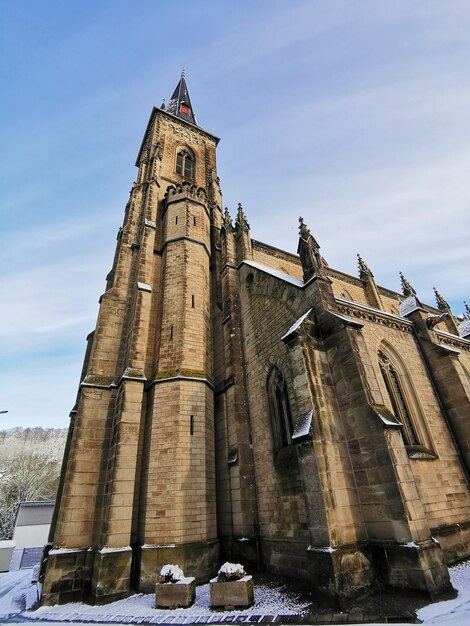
(454, 540)
(66, 575)
(86, 575)
(420, 567)
(199, 559)
(245, 550)
(111, 575)
(341, 574)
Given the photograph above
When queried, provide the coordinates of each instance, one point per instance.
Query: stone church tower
(238, 401)
(140, 467)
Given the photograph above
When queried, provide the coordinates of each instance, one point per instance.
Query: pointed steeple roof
(180, 103)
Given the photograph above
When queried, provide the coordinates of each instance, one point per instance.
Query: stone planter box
(233, 593)
(175, 595)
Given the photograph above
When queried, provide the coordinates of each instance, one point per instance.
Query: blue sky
(353, 114)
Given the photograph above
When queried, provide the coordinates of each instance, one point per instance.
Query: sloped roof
(34, 513)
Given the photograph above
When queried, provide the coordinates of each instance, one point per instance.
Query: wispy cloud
(353, 114)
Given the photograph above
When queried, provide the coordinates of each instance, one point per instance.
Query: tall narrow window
(395, 389)
(280, 413)
(185, 164)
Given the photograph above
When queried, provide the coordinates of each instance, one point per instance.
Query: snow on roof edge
(276, 273)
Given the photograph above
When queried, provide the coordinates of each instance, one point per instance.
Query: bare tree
(27, 472)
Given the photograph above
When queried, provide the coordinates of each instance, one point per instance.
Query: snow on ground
(139, 607)
(14, 589)
(269, 599)
(456, 611)
(16, 592)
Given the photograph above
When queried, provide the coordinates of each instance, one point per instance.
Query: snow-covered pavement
(17, 594)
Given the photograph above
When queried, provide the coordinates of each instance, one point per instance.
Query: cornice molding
(370, 314)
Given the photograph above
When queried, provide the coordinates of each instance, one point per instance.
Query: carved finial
(182, 73)
(309, 251)
(227, 221)
(304, 231)
(406, 287)
(163, 106)
(241, 217)
(363, 267)
(467, 310)
(441, 303)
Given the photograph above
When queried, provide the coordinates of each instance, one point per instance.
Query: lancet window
(279, 406)
(398, 398)
(185, 164)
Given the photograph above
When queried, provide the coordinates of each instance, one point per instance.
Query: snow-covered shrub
(230, 571)
(170, 574)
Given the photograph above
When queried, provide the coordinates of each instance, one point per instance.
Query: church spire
(180, 103)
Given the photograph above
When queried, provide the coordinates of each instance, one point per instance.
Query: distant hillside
(30, 461)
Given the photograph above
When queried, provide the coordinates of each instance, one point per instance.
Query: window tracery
(395, 389)
(280, 412)
(185, 164)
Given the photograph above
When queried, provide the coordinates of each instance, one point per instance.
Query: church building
(239, 402)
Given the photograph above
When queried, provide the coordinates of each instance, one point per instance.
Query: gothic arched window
(185, 164)
(279, 406)
(397, 394)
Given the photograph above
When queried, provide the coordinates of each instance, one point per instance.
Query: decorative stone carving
(364, 270)
(241, 221)
(406, 287)
(309, 251)
(227, 221)
(464, 344)
(186, 188)
(185, 134)
(467, 310)
(376, 318)
(441, 303)
(344, 278)
(433, 320)
(304, 230)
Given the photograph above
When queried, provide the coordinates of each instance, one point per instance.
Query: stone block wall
(277, 259)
